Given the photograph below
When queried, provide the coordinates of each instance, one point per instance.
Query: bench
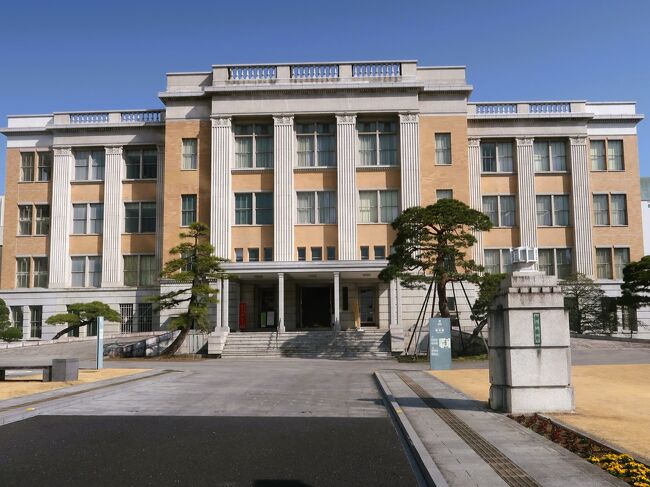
(59, 370)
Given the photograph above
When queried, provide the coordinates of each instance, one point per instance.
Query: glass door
(367, 307)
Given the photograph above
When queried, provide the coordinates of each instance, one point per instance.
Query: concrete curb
(429, 469)
(605, 338)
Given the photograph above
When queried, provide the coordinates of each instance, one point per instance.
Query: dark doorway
(315, 304)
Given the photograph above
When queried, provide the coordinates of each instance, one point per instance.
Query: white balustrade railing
(496, 108)
(79, 118)
(155, 116)
(315, 71)
(376, 70)
(252, 72)
(552, 107)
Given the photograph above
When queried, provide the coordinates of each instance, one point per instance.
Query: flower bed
(620, 465)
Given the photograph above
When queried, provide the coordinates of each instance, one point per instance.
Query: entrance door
(367, 306)
(315, 304)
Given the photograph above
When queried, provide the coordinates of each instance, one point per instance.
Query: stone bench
(59, 370)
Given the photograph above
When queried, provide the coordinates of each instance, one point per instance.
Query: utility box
(440, 343)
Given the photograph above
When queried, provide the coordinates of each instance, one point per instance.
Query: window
(253, 146)
(377, 143)
(188, 209)
(552, 210)
(387, 210)
(326, 207)
(44, 166)
(365, 252)
(368, 206)
(78, 271)
(268, 254)
(443, 149)
(316, 144)
(17, 316)
(501, 210)
(89, 165)
(27, 166)
(302, 253)
(136, 320)
(604, 263)
(94, 271)
(88, 218)
(126, 313)
(189, 154)
(601, 209)
(308, 212)
(306, 207)
(36, 321)
(546, 261)
(621, 259)
(619, 209)
(331, 253)
(86, 271)
(140, 270)
(497, 261)
(144, 316)
(496, 157)
(615, 155)
(444, 194)
(597, 154)
(140, 217)
(42, 220)
(380, 252)
(563, 263)
(629, 318)
(25, 220)
(141, 163)
(22, 272)
(244, 209)
(239, 255)
(317, 253)
(263, 208)
(253, 255)
(602, 204)
(549, 156)
(388, 206)
(40, 272)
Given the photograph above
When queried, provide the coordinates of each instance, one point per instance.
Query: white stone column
(475, 196)
(160, 206)
(281, 324)
(392, 302)
(27, 318)
(61, 218)
(409, 143)
(526, 190)
(225, 299)
(346, 192)
(583, 253)
(283, 188)
(220, 187)
(218, 309)
(337, 302)
(111, 239)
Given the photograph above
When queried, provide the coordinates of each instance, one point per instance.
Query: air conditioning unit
(524, 255)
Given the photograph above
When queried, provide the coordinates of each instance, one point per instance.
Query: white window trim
(88, 180)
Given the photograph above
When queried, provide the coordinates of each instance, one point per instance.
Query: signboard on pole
(537, 329)
(440, 343)
(100, 342)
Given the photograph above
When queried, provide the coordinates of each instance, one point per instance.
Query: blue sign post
(440, 343)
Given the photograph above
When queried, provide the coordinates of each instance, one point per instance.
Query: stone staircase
(359, 344)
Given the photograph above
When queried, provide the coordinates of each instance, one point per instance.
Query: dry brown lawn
(26, 385)
(612, 401)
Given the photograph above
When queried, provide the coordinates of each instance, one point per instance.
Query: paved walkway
(470, 445)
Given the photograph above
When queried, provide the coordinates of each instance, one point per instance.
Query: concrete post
(225, 297)
(529, 349)
(337, 299)
(281, 325)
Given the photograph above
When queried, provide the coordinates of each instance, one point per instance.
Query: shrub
(11, 334)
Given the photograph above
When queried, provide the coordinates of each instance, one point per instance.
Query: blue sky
(81, 55)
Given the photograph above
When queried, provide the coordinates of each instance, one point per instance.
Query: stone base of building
(526, 400)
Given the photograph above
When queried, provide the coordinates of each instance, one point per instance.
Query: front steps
(360, 344)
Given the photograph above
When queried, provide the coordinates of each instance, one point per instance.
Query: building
(645, 213)
(299, 169)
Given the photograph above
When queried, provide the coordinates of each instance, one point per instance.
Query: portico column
(111, 238)
(220, 190)
(281, 325)
(283, 188)
(475, 197)
(225, 298)
(61, 219)
(409, 137)
(346, 189)
(581, 209)
(526, 191)
(337, 302)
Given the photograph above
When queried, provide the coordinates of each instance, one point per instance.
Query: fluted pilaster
(475, 197)
(581, 208)
(160, 205)
(61, 218)
(409, 131)
(220, 187)
(283, 188)
(346, 198)
(111, 239)
(526, 191)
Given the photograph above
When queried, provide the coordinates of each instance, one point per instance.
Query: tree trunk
(176, 344)
(443, 305)
(66, 330)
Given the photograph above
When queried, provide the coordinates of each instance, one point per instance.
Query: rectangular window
(561, 210)
(563, 262)
(506, 261)
(189, 155)
(96, 218)
(601, 209)
(444, 194)
(558, 156)
(302, 253)
(491, 209)
(140, 270)
(126, 313)
(79, 217)
(268, 254)
(443, 149)
(549, 156)
(97, 161)
(140, 217)
(22, 271)
(253, 255)
(141, 163)
(94, 271)
(629, 318)
(326, 207)
(368, 206)
(316, 207)
(377, 143)
(44, 166)
(619, 209)
(489, 157)
(244, 209)
(239, 255)
(604, 263)
(621, 259)
(389, 206)
(615, 155)
(547, 261)
(253, 146)
(306, 207)
(40, 272)
(504, 157)
(316, 144)
(492, 258)
(17, 316)
(42, 220)
(89, 165)
(365, 252)
(597, 155)
(148, 217)
(36, 322)
(131, 218)
(331, 253)
(263, 208)
(317, 253)
(540, 154)
(380, 252)
(144, 317)
(188, 209)
(25, 220)
(81, 162)
(544, 211)
(131, 270)
(507, 211)
(496, 157)
(79, 271)
(27, 166)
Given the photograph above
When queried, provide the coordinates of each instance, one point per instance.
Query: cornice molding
(221, 122)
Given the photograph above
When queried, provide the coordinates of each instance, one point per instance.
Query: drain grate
(510, 472)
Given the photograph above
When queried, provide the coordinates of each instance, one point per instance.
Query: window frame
(141, 164)
(254, 134)
(442, 152)
(27, 220)
(87, 274)
(253, 208)
(504, 267)
(140, 217)
(195, 159)
(194, 211)
(44, 169)
(315, 197)
(92, 168)
(450, 197)
(32, 167)
(550, 157)
(499, 210)
(377, 141)
(498, 157)
(553, 210)
(139, 272)
(610, 211)
(23, 276)
(376, 211)
(315, 135)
